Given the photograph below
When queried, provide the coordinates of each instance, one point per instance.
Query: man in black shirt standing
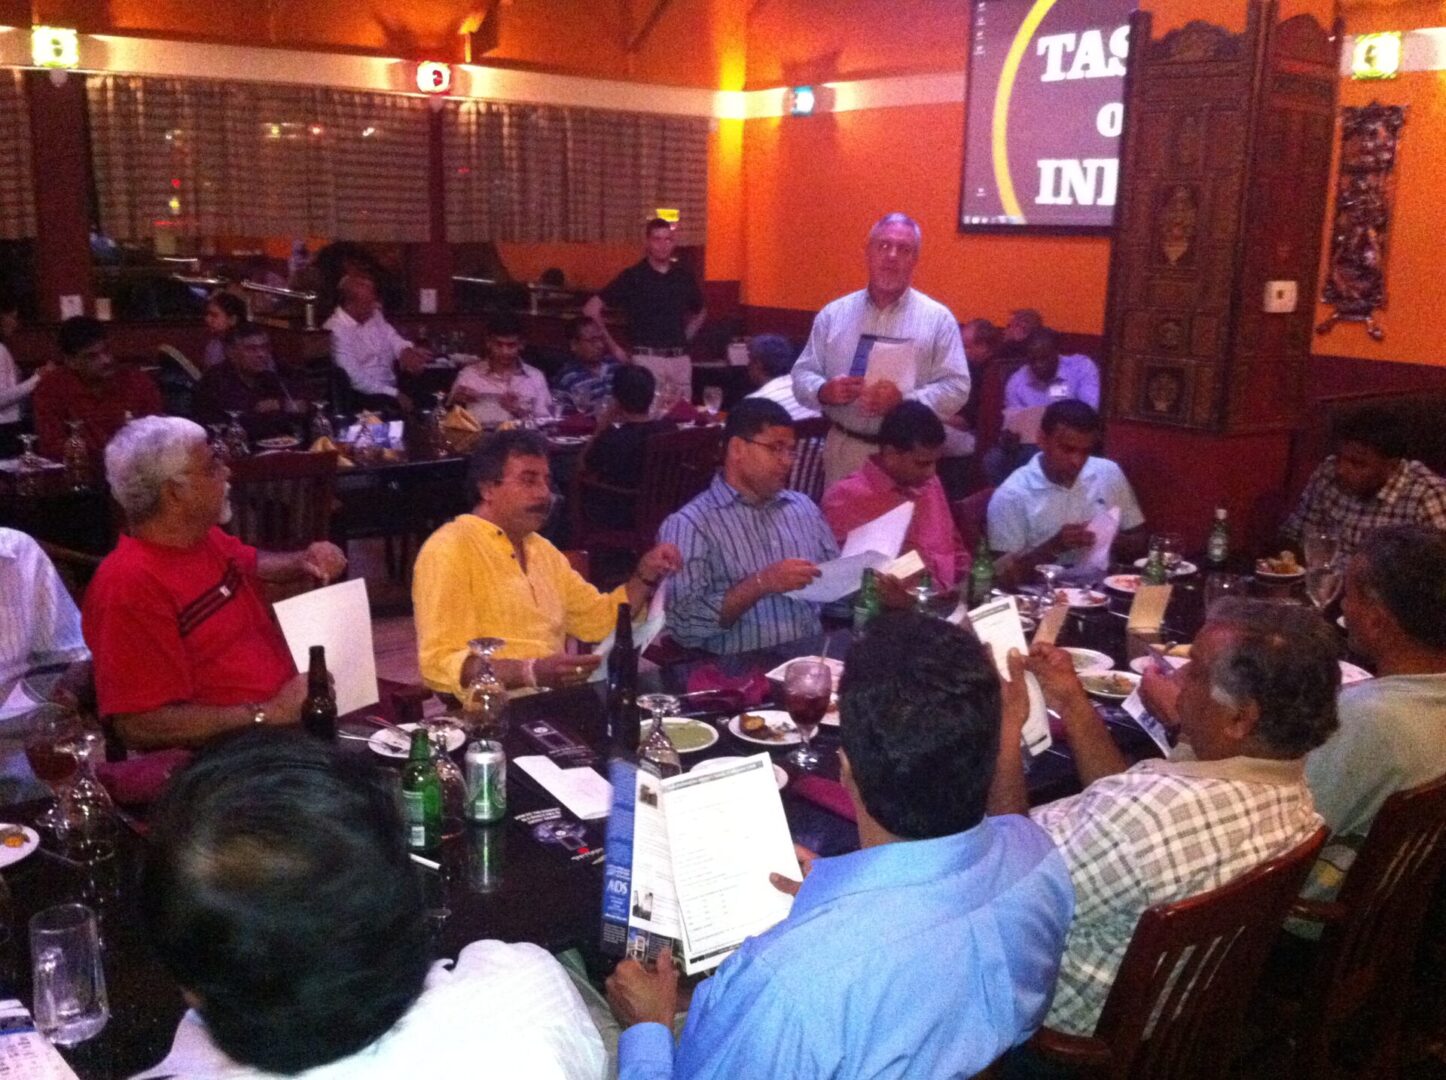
(664, 306)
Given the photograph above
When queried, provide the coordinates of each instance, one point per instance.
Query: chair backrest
(677, 465)
(970, 516)
(1175, 1009)
(806, 475)
(1384, 898)
(283, 501)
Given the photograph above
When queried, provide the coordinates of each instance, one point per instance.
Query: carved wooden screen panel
(1172, 273)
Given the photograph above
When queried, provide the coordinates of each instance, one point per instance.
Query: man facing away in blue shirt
(928, 952)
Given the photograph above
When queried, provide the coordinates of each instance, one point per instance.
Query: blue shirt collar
(890, 866)
(728, 495)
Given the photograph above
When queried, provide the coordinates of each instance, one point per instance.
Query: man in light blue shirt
(1044, 378)
(927, 953)
(1042, 512)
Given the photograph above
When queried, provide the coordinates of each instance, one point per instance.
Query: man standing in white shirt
(280, 896)
(831, 372)
(369, 349)
(13, 390)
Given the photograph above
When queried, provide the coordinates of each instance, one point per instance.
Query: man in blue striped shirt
(746, 543)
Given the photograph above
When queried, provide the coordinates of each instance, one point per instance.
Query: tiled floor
(394, 635)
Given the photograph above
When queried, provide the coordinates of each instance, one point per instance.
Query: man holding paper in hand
(928, 952)
(874, 348)
(1059, 507)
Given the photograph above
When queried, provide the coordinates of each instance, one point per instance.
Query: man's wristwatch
(258, 713)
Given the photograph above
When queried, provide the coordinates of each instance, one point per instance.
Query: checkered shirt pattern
(1413, 496)
(1157, 833)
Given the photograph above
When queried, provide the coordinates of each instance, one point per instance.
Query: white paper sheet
(839, 578)
(892, 361)
(643, 635)
(1024, 422)
(653, 905)
(727, 833)
(905, 566)
(586, 795)
(1134, 705)
(884, 534)
(997, 625)
(1105, 525)
(338, 617)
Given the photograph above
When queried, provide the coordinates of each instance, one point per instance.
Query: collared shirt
(507, 1010)
(724, 539)
(223, 390)
(12, 389)
(658, 303)
(524, 380)
(781, 391)
(1159, 832)
(1076, 380)
(62, 396)
(942, 375)
(1414, 495)
(367, 351)
(919, 959)
(1392, 736)
(870, 492)
(468, 584)
(39, 622)
(1029, 508)
(588, 388)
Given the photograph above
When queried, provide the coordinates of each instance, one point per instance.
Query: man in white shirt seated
(368, 348)
(279, 894)
(1042, 512)
(770, 368)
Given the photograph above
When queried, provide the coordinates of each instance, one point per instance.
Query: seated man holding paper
(927, 953)
(488, 573)
(911, 441)
(183, 642)
(746, 543)
(1061, 507)
(1258, 695)
(1044, 378)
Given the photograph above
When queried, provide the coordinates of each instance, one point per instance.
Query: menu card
(696, 867)
(338, 618)
(25, 1054)
(997, 625)
(1147, 610)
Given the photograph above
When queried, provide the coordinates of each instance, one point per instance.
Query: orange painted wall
(1413, 320)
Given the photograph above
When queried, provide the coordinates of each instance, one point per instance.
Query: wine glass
(807, 687)
(1168, 544)
(657, 747)
(90, 821)
(30, 467)
(1219, 586)
(1050, 572)
(238, 444)
(484, 705)
(75, 456)
(713, 401)
(1323, 584)
(53, 729)
(1320, 548)
(454, 784)
(320, 426)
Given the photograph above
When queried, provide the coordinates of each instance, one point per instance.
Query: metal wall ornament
(1355, 281)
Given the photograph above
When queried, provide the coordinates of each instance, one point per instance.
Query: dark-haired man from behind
(615, 455)
(279, 894)
(746, 543)
(1042, 512)
(770, 370)
(1366, 484)
(928, 952)
(91, 387)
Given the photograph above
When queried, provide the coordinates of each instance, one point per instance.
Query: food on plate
(1078, 597)
(753, 724)
(1113, 683)
(1124, 582)
(689, 735)
(1282, 565)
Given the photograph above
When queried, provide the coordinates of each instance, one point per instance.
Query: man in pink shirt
(905, 469)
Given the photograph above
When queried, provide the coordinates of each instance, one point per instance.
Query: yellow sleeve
(590, 615)
(442, 631)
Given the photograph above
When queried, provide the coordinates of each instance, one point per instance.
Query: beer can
(486, 764)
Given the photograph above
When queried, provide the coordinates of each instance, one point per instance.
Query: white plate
(279, 442)
(1352, 674)
(714, 764)
(1266, 575)
(1183, 568)
(777, 720)
(830, 718)
(835, 666)
(1082, 598)
(1124, 583)
(567, 440)
(12, 465)
(1086, 660)
(1091, 681)
(10, 854)
(386, 741)
(672, 724)
(1141, 664)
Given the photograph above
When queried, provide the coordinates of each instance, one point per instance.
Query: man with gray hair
(1258, 694)
(770, 370)
(183, 642)
(874, 348)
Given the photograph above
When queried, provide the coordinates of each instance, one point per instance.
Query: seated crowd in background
(500, 387)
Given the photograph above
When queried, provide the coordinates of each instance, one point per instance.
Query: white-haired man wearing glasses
(183, 643)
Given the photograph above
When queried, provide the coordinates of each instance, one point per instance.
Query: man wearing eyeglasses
(746, 543)
(879, 346)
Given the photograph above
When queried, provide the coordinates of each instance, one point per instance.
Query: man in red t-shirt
(184, 646)
(89, 386)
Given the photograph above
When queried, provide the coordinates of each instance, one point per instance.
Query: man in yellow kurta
(489, 574)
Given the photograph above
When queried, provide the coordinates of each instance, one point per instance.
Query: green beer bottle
(1155, 573)
(981, 574)
(422, 794)
(866, 603)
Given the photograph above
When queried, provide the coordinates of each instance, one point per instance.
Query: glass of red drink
(807, 687)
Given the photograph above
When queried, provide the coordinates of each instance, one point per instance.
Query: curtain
(17, 192)
(203, 158)
(526, 173)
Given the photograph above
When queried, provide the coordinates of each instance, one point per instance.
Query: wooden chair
(283, 501)
(970, 517)
(807, 472)
(75, 568)
(677, 465)
(1175, 1010)
(1361, 979)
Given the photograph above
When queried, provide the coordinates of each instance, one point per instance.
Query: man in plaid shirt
(1366, 484)
(1258, 694)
